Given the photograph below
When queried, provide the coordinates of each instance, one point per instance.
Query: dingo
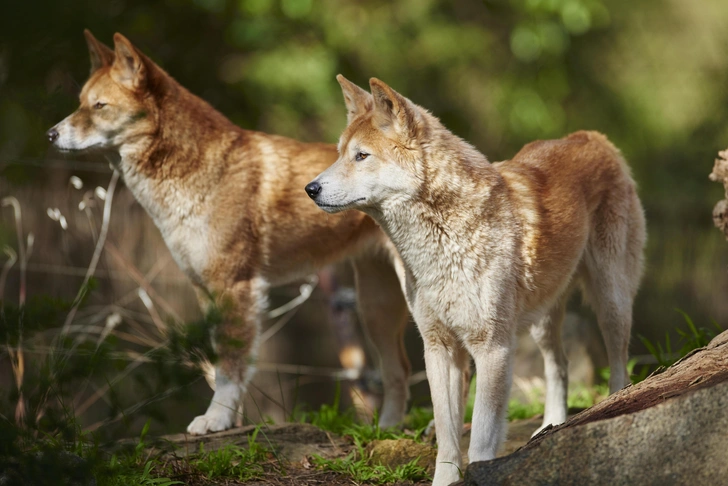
(227, 203)
(488, 247)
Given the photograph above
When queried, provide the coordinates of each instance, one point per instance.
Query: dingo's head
(116, 103)
(380, 152)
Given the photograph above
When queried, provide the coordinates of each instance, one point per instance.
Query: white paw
(210, 422)
(540, 429)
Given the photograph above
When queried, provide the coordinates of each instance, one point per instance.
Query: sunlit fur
(229, 205)
(491, 247)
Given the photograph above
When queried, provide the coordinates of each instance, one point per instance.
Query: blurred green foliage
(651, 75)
(692, 338)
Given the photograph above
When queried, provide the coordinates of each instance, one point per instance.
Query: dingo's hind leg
(613, 261)
(384, 314)
(547, 334)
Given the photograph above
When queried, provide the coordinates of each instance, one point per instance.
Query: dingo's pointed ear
(392, 108)
(356, 99)
(128, 68)
(101, 55)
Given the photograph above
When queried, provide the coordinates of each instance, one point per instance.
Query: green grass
(692, 338)
(357, 466)
(147, 478)
(519, 410)
(344, 422)
(418, 419)
(329, 417)
(133, 467)
(234, 461)
(580, 397)
(230, 462)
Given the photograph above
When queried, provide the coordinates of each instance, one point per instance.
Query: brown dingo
(490, 247)
(228, 204)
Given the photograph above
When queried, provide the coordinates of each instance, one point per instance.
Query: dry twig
(97, 252)
(17, 357)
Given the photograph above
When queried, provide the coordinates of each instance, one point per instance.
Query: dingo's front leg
(445, 361)
(236, 343)
(493, 367)
(221, 413)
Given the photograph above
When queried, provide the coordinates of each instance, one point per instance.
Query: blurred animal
(228, 204)
(490, 247)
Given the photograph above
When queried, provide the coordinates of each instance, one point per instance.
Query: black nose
(52, 135)
(313, 189)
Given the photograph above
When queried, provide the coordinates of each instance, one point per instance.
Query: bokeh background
(652, 75)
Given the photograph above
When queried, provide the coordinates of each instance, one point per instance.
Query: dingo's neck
(448, 232)
(176, 173)
(173, 170)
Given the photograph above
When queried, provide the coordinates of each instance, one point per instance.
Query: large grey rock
(671, 429)
(683, 441)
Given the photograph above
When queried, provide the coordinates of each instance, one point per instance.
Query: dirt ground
(295, 444)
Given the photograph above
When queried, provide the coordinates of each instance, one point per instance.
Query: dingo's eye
(99, 105)
(361, 156)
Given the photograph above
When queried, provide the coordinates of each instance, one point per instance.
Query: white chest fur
(181, 216)
(457, 273)
(441, 278)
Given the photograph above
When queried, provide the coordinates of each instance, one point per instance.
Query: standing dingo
(491, 247)
(226, 201)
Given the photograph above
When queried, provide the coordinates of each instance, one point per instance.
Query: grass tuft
(344, 422)
(357, 466)
(242, 463)
(692, 338)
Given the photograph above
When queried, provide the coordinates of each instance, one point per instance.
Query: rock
(670, 429)
(660, 445)
(393, 453)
